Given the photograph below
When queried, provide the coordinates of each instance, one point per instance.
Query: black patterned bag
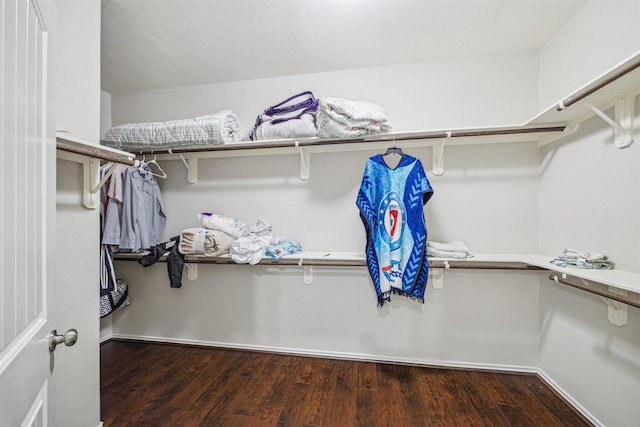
(114, 300)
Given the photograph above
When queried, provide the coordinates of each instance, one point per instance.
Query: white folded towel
(455, 250)
(304, 127)
(341, 118)
(202, 241)
(232, 226)
(339, 108)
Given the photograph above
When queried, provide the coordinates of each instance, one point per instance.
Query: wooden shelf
(615, 278)
(75, 146)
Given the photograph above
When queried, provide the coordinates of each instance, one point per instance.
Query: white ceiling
(157, 44)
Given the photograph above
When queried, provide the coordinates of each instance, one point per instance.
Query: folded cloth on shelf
(291, 109)
(456, 250)
(251, 247)
(340, 118)
(279, 248)
(304, 127)
(586, 260)
(218, 128)
(202, 241)
(232, 226)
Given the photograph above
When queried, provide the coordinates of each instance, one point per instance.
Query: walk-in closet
(255, 131)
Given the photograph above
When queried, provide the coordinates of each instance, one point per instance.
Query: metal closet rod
(597, 289)
(600, 83)
(382, 137)
(470, 264)
(61, 144)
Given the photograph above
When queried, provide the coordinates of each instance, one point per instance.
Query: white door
(27, 212)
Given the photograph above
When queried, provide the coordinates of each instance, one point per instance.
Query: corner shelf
(610, 284)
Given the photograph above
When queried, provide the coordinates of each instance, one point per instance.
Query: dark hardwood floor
(145, 384)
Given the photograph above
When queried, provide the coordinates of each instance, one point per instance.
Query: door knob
(69, 338)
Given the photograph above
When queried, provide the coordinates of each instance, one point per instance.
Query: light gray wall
(599, 36)
(588, 202)
(77, 253)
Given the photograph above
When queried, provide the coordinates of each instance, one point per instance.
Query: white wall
(78, 111)
(588, 202)
(422, 95)
(487, 197)
(599, 36)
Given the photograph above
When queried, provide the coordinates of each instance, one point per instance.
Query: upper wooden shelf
(70, 144)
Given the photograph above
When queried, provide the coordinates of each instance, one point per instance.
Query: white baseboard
(333, 354)
(569, 399)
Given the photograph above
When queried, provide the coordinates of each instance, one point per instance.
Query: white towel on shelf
(304, 127)
(218, 128)
(202, 241)
(232, 226)
(455, 250)
(340, 118)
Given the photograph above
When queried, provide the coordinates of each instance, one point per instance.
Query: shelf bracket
(91, 183)
(622, 123)
(191, 163)
(616, 310)
(305, 162)
(307, 271)
(192, 271)
(437, 276)
(438, 156)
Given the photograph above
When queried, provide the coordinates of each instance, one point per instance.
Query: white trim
(333, 354)
(569, 399)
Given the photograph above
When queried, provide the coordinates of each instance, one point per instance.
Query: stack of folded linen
(292, 118)
(456, 250)
(218, 128)
(232, 226)
(202, 241)
(300, 127)
(341, 118)
(587, 260)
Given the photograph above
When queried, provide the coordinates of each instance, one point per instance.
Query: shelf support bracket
(307, 271)
(305, 162)
(191, 163)
(91, 183)
(438, 156)
(437, 276)
(623, 120)
(616, 310)
(192, 271)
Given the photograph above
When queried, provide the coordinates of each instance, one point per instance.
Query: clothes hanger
(393, 150)
(161, 173)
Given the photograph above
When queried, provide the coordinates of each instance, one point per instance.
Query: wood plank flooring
(145, 384)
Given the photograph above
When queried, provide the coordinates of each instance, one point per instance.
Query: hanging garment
(143, 213)
(175, 260)
(391, 202)
(115, 197)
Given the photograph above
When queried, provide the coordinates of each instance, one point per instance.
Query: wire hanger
(161, 173)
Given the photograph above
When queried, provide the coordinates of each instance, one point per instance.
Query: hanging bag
(114, 300)
(291, 108)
